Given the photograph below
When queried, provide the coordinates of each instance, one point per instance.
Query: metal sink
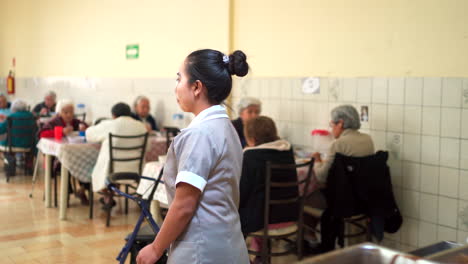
(456, 256)
(434, 248)
(365, 253)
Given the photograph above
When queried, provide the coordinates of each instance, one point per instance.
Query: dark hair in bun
(214, 70)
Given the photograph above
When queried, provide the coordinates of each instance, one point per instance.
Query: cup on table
(162, 159)
(58, 132)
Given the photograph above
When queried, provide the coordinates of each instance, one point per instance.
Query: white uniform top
(208, 155)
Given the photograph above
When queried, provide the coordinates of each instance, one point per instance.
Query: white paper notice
(311, 85)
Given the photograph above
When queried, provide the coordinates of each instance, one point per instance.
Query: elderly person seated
(65, 118)
(48, 106)
(264, 145)
(19, 109)
(348, 140)
(249, 108)
(4, 104)
(121, 124)
(141, 112)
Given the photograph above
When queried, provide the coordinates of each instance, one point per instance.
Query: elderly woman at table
(264, 145)
(65, 118)
(249, 108)
(46, 107)
(121, 124)
(141, 112)
(19, 109)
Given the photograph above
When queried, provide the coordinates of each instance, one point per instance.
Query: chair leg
(91, 200)
(126, 200)
(109, 210)
(55, 188)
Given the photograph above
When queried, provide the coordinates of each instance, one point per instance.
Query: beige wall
(88, 37)
(353, 38)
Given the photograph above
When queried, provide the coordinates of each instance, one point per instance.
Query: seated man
(249, 108)
(121, 124)
(264, 145)
(142, 112)
(48, 106)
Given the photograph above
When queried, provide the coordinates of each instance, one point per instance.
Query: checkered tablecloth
(80, 158)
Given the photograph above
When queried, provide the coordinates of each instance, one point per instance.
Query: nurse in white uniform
(203, 169)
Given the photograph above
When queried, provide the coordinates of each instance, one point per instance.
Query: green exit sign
(132, 51)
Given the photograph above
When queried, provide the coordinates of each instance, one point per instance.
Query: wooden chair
(171, 132)
(120, 152)
(81, 117)
(24, 130)
(286, 233)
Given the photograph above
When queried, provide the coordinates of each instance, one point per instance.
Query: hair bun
(238, 64)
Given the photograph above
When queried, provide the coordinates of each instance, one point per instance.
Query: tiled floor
(31, 233)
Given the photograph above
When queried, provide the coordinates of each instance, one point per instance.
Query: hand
(67, 130)
(317, 157)
(148, 127)
(147, 255)
(82, 127)
(43, 111)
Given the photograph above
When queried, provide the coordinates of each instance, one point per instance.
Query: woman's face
(250, 112)
(336, 128)
(67, 113)
(184, 90)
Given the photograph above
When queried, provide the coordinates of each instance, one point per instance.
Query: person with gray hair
(141, 108)
(249, 108)
(348, 140)
(4, 104)
(48, 106)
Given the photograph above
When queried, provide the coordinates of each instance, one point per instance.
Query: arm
(321, 167)
(180, 212)
(98, 133)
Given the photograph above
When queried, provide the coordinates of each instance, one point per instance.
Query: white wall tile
(427, 234)
(410, 205)
(395, 119)
(275, 88)
(465, 93)
(323, 115)
(409, 232)
(463, 215)
(463, 185)
(411, 147)
(379, 139)
(285, 88)
(464, 123)
(450, 122)
(462, 237)
(396, 172)
(412, 119)
(429, 179)
(464, 154)
(349, 89)
(430, 150)
(309, 114)
(296, 88)
(451, 92)
(297, 111)
(395, 145)
(285, 113)
(447, 211)
(379, 90)
(335, 89)
(428, 208)
(448, 182)
(396, 91)
(431, 121)
(449, 152)
(411, 175)
(378, 114)
(446, 234)
(364, 90)
(432, 91)
(413, 91)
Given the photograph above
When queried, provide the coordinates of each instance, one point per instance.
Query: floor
(31, 233)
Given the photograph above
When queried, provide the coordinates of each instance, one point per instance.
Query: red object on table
(320, 132)
(58, 132)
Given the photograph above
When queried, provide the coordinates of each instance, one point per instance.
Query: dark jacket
(240, 130)
(360, 186)
(37, 109)
(252, 188)
(149, 119)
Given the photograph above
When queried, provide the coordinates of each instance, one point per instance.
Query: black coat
(149, 119)
(239, 126)
(252, 189)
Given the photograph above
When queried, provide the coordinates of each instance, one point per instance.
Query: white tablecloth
(152, 170)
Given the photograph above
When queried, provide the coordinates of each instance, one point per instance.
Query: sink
(434, 248)
(365, 253)
(456, 256)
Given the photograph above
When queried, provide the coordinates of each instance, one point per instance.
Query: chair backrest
(274, 184)
(127, 149)
(81, 117)
(21, 132)
(99, 120)
(171, 132)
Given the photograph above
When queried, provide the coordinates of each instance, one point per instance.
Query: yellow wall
(282, 38)
(88, 37)
(353, 38)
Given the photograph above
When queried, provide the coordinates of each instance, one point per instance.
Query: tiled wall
(423, 122)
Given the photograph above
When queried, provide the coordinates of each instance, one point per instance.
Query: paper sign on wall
(311, 85)
(132, 51)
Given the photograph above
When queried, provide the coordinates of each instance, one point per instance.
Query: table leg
(47, 181)
(63, 193)
(155, 210)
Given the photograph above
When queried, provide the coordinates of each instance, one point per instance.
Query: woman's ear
(197, 87)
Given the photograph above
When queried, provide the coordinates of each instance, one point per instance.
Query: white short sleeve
(196, 155)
